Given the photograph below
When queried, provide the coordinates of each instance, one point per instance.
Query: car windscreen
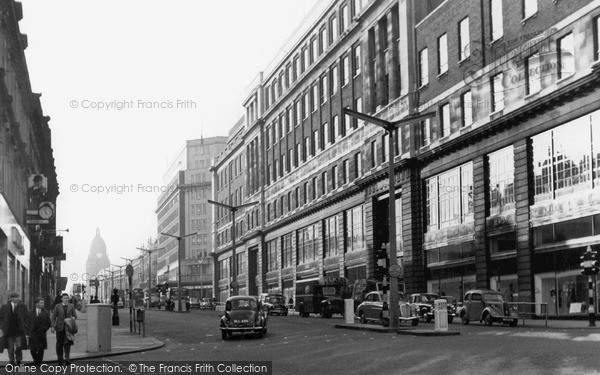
(276, 299)
(492, 297)
(243, 304)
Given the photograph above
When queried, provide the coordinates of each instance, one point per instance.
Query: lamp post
(120, 278)
(233, 210)
(179, 238)
(390, 127)
(149, 251)
(200, 269)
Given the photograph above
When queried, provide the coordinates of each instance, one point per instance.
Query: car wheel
(514, 323)
(428, 318)
(450, 319)
(385, 322)
(224, 335)
(487, 319)
(362, 318)
(464, 318)
(414, 322)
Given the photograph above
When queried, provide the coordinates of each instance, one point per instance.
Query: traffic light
(382, 262)
(595, 269)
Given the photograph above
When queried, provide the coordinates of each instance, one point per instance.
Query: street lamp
(200, 272)
(149, 251)
(120, 278)
(390, 127)
(233, 210)
(179, 238)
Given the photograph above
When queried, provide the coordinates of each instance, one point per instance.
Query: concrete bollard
(441, 314)
(349, 311)
(99, 330)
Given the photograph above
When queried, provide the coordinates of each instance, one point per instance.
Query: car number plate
(241, 321)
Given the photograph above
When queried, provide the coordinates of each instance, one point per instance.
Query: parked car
(452, 306)
(424, 303)
(194, 303)
(371, 309)
(243, 314)
(487, 306)
(274, 303)
(208, 304)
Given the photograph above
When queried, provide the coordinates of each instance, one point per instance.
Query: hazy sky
(120, 55)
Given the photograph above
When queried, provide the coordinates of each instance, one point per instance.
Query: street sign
(32, 212)
(37, 221)
(129, 270)
(94, 282)
(395, 270)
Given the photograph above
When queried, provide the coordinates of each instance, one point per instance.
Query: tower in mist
(97, 258)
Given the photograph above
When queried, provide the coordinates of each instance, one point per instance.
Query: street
(314, 346)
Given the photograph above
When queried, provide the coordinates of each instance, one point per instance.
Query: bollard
(349, 311)
(441, 314)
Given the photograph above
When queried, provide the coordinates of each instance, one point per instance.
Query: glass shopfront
(565, 292)
(452, 286)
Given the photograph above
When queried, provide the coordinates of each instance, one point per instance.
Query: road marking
(591, 337)
(192, 348)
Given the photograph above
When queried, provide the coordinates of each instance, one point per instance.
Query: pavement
(427, 329)
(122, 342)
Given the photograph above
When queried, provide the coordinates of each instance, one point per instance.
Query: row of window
(314, 47)
(315, 242)
(232, 170)
(315, 187)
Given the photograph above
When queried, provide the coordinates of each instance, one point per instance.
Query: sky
(125, 83)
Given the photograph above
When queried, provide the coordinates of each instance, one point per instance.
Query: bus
(325, 296)
(172, 296)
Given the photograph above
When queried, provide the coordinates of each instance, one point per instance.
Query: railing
(531, 309)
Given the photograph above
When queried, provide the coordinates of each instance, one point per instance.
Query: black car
(274, 303)
(243, 314)
(424, 303)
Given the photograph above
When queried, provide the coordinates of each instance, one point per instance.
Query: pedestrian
(39, 323)
(61, 312)
(57, 300)
(14, 321)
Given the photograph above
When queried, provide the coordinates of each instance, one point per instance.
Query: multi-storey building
(183, 209)
(25, 150)
(497, 190)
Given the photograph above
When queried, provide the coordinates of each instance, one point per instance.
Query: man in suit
(39, 323)
(57, 320)
(14, 321)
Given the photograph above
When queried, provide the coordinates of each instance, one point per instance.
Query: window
(289, 118)
(466, 106)
(449, 198)
(305, 193)
(384, 147)
(445, 120)
(464, 43)
(287, 251)
(346, 171)
(496, 19)
(289, 201)
(316, 143)
(307, 149)
(272, 255)
(304, 59)
(336, 128)
(330, 242)
(334, 79)
(314, 188)
(502, 180)
(530, 7)
(296, 67)
(345, 71)
(347, 123)
(334, 29)
(357, 165)
(297, 110)
(334, 177)
(357, 62)
(306, 105)
(597, 38)
(322, 39)
(355, 239)
(315, 98)
(423, 67)
(324, 183)
(373, 154)
(425, 133)
(565, 159)
(275, 170)
(325, 135)
(268, 137)
(345, 17)
(314, 52)
(442, 54)
(566, 56)
(497, 92)
(358, 107)
(324, 89)
(532, 74)
(299, 155)
(307, 244)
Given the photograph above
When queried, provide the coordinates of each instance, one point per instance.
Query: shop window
(571, 229)
(503, 243)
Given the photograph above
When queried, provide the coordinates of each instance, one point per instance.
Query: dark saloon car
(274, 303)
(243, 314)
(371, 309)
(208, 304)
(424, 303)
(487, 306)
